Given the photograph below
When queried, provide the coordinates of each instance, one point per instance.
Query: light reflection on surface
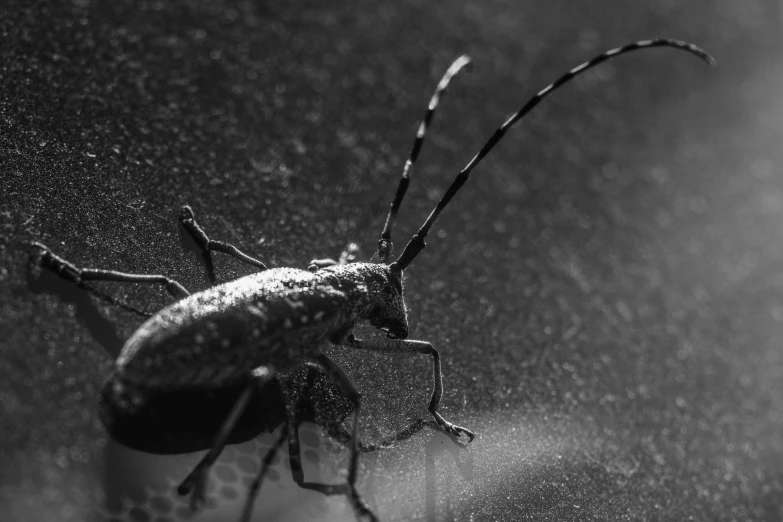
(426, 477)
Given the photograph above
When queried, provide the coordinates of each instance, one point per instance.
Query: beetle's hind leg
(188, 220)
(252, 492)
(79, 276)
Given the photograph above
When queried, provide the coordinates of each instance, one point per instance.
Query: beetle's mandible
(261, 325)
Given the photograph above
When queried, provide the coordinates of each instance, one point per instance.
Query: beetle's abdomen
(215, 336)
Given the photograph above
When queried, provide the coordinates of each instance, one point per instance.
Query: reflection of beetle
(248, 330)
(184, 421)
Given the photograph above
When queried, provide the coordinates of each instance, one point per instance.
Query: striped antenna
(416, 244)
(385, 243)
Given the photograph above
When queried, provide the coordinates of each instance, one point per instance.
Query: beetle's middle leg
(290, 432)
(406, 346)
(188, 220)
(196, 481)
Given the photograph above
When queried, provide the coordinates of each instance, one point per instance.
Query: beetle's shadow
(42, 281)
(103, 330)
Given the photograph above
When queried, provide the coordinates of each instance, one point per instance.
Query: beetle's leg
(188, 220)
(349, 255)
(290, 432)
(317, 264)
(297, 472)
(265, 465)
(78, 276)
(341, 435)
(405, 434)
(352, 394)
(196, 481)
(406, 346)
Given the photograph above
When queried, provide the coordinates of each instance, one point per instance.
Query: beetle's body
(269, 322)
(274, 318)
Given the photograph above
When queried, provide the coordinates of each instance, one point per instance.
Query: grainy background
(607, 291)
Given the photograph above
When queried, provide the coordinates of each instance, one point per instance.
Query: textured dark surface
(607, 291)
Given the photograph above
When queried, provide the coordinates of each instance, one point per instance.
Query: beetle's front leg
(266, 464)
(405, 346)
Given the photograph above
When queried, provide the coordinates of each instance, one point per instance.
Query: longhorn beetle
(164, 423)
(251, 329)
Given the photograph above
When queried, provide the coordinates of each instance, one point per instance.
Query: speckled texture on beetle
(273, 318)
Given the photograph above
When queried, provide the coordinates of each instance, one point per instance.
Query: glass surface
(605, 291)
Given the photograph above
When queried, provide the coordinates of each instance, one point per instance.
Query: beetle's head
(387, 311)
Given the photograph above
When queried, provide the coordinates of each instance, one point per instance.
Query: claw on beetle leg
(453, 429)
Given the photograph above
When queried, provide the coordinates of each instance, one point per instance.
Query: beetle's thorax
(375, 291)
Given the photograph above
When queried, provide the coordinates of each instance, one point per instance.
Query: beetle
(183, 420)
(251, 329)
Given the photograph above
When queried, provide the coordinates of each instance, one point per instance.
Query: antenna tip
(704, 55)
(695, 49)
(456, 65)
